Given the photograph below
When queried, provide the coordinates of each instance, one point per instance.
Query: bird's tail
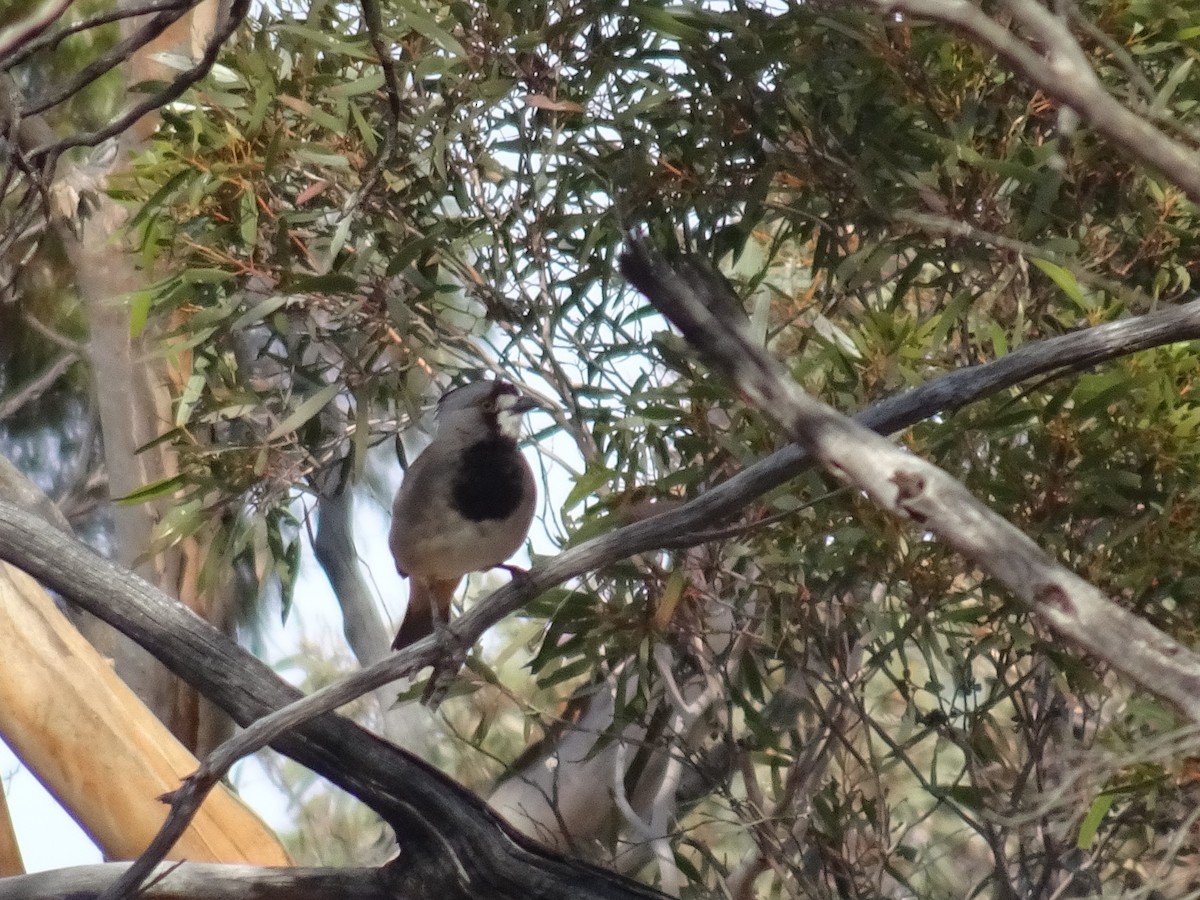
(426, 598)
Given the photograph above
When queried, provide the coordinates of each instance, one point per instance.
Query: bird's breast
(462, 510)
(492, 481)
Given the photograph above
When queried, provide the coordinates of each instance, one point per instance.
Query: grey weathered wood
(192, 881)
(451, 844)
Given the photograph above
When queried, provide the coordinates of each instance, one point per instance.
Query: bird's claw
(451, 657)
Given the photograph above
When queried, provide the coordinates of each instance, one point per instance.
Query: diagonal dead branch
(691, 522)
(699, 301)
(24, 47)
(450, 841)
(108, 61)
(187, 881)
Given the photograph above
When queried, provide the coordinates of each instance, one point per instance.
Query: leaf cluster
(336, 232)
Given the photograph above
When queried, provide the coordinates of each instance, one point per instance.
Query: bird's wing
(417, 508)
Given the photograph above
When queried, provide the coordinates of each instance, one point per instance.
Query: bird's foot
(444, 635)
(449, 661)
(452, 656)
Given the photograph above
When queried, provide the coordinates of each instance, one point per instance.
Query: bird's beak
(524, 404)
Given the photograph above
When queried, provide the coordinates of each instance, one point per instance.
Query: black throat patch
(490, 483)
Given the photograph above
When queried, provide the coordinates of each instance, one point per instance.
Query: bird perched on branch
(466, 502)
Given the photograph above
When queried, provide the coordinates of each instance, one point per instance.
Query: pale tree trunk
(10, 853)
(48, 665)
(100, 751)
(132, 376)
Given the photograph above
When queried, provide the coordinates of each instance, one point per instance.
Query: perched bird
(466, 502)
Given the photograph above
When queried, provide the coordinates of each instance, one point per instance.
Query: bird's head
(483, 407)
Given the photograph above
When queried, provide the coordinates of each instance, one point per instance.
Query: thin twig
(118, 55)
(46, 154)
(48, 41)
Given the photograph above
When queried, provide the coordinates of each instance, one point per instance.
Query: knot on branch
(910, 489)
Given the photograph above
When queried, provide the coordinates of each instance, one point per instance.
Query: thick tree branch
(701, 303)
(451, 843)
(687, 524)
(1058, 355)
(187, 881)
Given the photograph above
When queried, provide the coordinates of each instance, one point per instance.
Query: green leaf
(193, 389)
(258, 312)
(248, 219)
(999, 340)
(586, 485)
(414, 16)
(204, 276)
(1091, 822)
(337, 242)
(139, 311)
(361, 440)
(319, 156)
(670, 21)
(1178, 75)
(164, 487)
(305, 411)
(567, 672)
(367, 84)
(1065, 280)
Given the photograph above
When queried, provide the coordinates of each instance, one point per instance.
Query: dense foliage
(333, 235)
